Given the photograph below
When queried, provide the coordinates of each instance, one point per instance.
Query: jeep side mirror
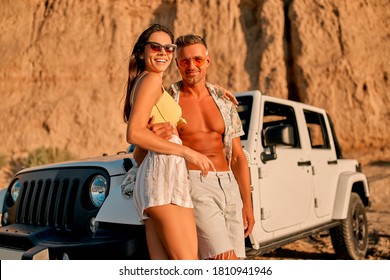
(277, 135)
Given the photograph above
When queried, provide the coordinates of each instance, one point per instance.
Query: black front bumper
(107, 243)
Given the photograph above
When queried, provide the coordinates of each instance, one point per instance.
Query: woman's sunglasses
(157, 47)
(186, 62)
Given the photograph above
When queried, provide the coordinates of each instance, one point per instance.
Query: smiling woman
(161, 191)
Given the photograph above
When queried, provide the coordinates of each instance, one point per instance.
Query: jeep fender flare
(2, 197)
(344, 190)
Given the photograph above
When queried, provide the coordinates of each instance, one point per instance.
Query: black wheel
(350, 239)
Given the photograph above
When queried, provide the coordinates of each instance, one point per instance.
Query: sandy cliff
(63, 64)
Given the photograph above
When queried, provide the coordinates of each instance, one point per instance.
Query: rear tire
(350, 239)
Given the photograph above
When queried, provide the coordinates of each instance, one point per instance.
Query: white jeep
(300, 186)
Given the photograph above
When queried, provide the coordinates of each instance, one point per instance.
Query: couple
(192, 191)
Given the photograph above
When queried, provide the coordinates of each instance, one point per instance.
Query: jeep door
(323, 159)
(285, 183)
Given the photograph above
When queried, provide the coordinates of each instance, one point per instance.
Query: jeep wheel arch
(2, 195)
(350, 239)
(348, 182)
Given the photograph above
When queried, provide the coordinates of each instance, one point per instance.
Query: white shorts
(218, 213)
(162, 179)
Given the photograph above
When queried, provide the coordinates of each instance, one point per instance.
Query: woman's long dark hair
(137, 64)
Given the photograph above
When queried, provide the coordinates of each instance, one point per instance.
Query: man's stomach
(209, 144)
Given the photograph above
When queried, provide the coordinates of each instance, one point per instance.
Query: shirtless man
(222, 202)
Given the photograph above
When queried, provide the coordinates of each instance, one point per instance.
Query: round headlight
(15, 189)
(98, 190)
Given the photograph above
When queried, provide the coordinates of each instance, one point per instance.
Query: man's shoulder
(219, 96)
(174, 89)
(214, 90)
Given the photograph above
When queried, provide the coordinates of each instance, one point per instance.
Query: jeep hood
(113, 164)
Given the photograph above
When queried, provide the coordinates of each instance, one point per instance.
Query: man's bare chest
(201, 115)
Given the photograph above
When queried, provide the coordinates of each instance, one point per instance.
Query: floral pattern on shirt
(233, 126)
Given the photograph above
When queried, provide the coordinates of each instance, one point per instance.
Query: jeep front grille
(56, 198)
(48, 203)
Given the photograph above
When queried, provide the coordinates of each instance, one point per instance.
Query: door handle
(332, 161)
(304, 163)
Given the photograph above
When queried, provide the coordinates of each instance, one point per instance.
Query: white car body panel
(117, 208)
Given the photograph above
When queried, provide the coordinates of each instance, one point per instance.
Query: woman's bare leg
(176, 230)
(155, 247)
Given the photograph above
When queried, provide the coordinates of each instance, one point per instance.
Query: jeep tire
(350, 239)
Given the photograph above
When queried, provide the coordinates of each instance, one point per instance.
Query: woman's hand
(203, 162)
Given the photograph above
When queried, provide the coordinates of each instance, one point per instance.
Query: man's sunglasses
(186, 62)
(157, 47)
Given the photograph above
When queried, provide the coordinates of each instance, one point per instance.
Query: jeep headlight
(98, 190)
(15, 189)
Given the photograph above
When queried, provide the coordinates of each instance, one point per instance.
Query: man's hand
(249, 220)
(164, 130)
